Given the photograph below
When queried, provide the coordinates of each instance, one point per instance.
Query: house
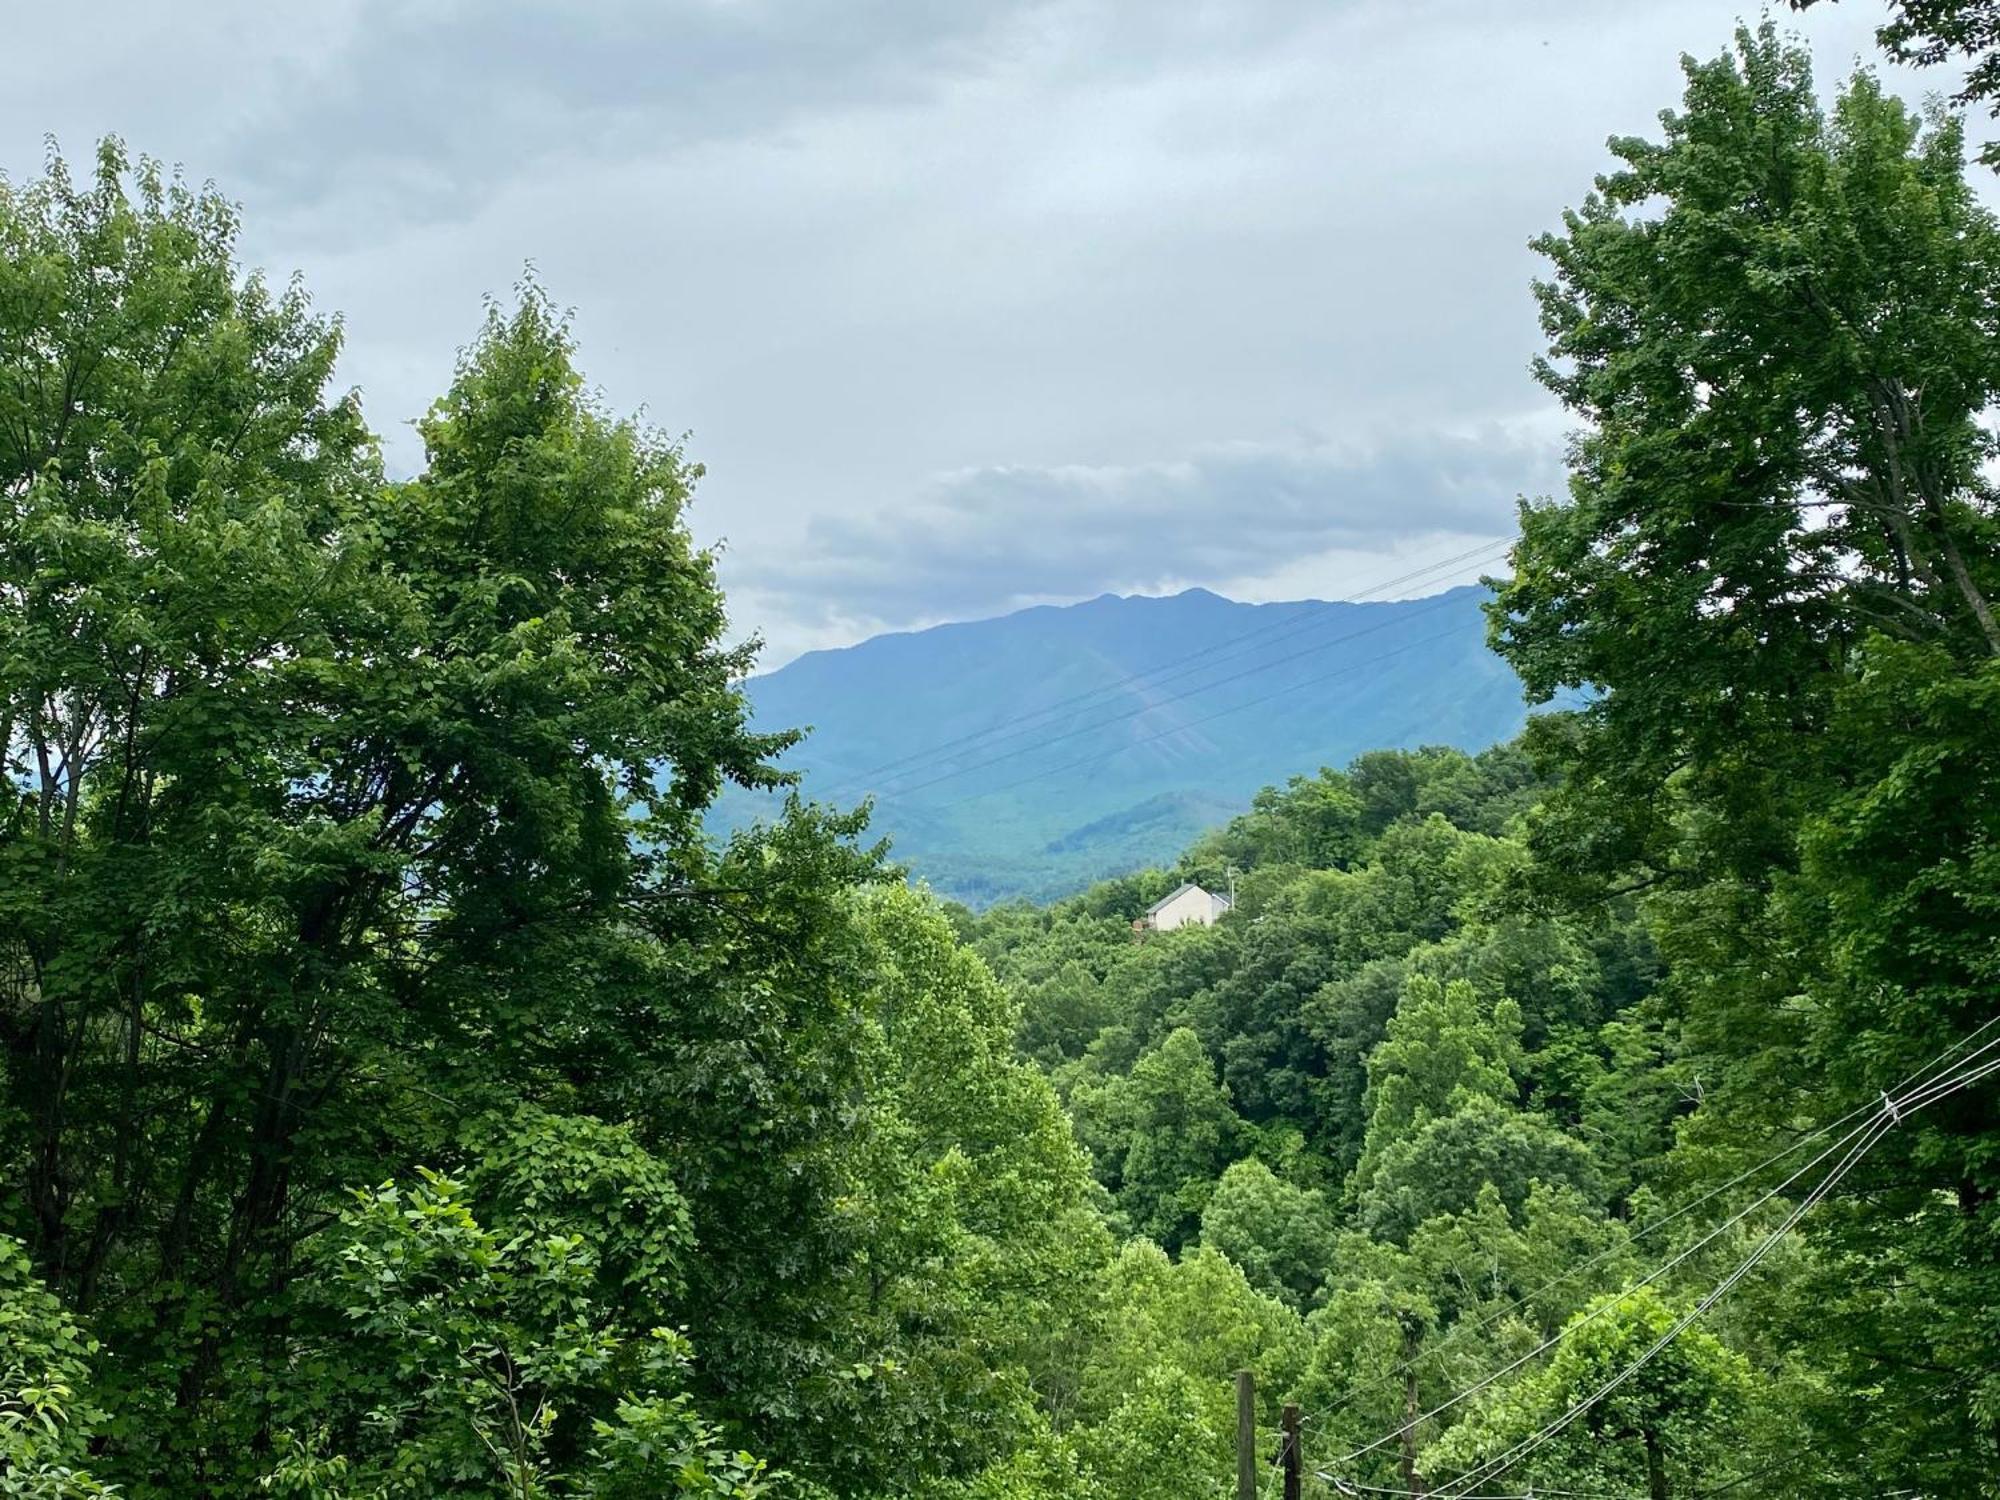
(1190, 903)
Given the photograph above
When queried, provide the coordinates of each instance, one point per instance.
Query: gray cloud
(1163, 291)
(424, 111)
(981, 541)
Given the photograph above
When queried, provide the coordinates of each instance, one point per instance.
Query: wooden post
(1412, 1480)
(1289, 1453)
(1246, 1435)
(1413, 1338)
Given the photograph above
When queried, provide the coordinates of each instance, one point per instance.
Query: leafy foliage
(1684, 1404)
(1930, 32)
(1774, 571)
(406, 1093)
(353, 841)
(455, 1360)
(46, 1419)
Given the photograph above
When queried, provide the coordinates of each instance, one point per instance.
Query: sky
(963, 306)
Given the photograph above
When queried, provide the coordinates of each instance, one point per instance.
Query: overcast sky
(965, 305)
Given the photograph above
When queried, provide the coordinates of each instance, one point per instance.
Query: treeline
(405, 1096)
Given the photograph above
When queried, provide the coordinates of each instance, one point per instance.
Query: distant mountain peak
(1030, 753)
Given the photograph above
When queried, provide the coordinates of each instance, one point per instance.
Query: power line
(1149, 707)
(1290, 625)
(1888, 1115)
(1889, 1109)
(1769, 1469)
(1877, 1112)
(1601, 1310)
(1015, 727)
(1090, 760)
(1864, 1140)
(1356, 1487)
(1514, 1303)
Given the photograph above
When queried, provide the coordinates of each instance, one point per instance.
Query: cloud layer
(437, 107)
(981, 541)
(963, 304)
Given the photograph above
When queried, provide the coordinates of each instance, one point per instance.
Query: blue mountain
(1031, 754)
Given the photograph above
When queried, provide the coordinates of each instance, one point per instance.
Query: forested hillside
(406, 1093)
(1030, 755)
(1388, 1100)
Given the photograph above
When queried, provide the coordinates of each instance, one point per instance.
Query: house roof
(1171, 897)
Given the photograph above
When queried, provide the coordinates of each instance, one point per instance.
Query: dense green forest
(405, 1095)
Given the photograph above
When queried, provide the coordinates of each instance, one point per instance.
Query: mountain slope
(1030, 754)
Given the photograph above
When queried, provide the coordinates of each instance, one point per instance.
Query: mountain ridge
(1030, 753)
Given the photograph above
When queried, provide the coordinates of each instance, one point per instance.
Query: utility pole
(1288, 1455)
(1413, 1337)
(1246, 1435)
(1412, 1481)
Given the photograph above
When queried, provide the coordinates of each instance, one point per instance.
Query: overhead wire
(1654, 1226)
(1882, 1117)
(1859, 1141)
(1160, 702)
(1890, 1113)
(1462, 1488)
(1790, 1461)
(1175, 669)
(1493, 1468)
(1603, 1309)
(1235, 708)
(1356, 1487)
(1003, 731)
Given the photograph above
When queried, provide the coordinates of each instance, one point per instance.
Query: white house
(1179, 907)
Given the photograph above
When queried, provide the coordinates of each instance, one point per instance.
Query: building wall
(1189, 906)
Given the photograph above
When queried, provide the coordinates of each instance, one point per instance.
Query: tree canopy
(405, 1093)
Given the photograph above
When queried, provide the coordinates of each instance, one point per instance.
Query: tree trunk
(1962, 576)
(1656, 1468)
(1923, 492)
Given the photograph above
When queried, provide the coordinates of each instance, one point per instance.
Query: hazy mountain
(1030, 754)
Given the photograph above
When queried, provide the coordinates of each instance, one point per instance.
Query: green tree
(1171, 1336)
(1931, 32)
(1257, 1018)
(1444, 1048)
(1312, 821)
(47, 1418)
(1666, 1422)
(345, 813)
(1163, 1136)
(1401, 1331)
(1443, 1163)
(456, 1360)
(974, 1242)
(1773, 572)
(1777, 328)
(1281, 1235)
(1443, 1120)
(1159, 1443)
